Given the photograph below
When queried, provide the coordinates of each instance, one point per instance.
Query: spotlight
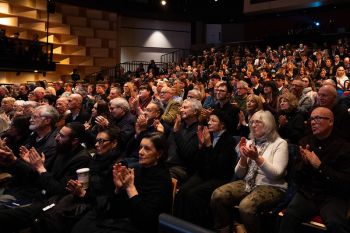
(317, 24)
(163, 2)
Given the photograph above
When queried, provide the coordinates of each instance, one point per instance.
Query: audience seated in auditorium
(260, 170)
(140, 194)
(323, 177)
(216, 161)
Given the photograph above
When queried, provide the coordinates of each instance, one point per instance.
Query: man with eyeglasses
(223, 96)
(43, 182)
(323, 177)
(241, 96)
(43, 126)
(147, 122)
(121, 117)
(170, 105)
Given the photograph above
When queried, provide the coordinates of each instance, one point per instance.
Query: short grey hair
(39, 89)
(50, 112)
(120, 102)
(195, 104)
(243, 84)
(31, 103)
(196, 93)
(266, 117)
(81, 91)
(20, 102)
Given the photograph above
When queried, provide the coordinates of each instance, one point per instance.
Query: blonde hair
(269, 123)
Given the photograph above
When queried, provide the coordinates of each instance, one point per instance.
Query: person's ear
(75, 141)
(114, 144)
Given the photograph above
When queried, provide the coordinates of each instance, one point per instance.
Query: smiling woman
(261, 169)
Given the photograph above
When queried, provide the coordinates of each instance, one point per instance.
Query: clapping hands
(32, 157)
(76, 188)
(6, 155)
(123, 177)
(203, 136)
(310, 156)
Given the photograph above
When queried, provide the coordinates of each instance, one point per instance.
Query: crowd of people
(220, 125)
(16, 49)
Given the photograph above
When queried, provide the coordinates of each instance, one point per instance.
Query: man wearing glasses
(323, 177)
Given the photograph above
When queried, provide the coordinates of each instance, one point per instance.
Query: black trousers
(193, 199)
(12, 220)
(91, 222)
(333, 212)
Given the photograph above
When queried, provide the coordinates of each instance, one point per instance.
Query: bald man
(77, 114)
(323, 177)
(327, 97)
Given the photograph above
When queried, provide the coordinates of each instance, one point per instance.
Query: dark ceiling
(207, 11)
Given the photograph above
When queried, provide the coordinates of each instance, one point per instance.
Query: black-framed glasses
(318, 119)
(101, 140)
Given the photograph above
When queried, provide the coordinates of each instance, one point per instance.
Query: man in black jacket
(75, 105)
(183, 141)
(45, 183)
(38, 181)
(122, 118)
(42, 124)
(323, 176)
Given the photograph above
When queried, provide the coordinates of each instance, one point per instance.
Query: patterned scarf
(261, 146)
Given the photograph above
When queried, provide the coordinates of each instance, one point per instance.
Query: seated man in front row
(323, 177)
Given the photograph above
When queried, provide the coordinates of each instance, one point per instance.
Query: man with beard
(44, 182)
(42, 124)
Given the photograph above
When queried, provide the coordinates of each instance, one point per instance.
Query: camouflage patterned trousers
(224, 198)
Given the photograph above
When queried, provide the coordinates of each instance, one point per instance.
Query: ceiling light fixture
(163, 2)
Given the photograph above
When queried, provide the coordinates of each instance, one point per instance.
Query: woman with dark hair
(216, 167)
(140, 194)
(100, 109)
(269, 97)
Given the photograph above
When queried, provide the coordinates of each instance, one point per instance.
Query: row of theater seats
(171, 224)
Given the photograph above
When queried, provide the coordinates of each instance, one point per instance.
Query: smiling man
(323, 176)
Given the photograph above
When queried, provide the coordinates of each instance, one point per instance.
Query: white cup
(83, 177)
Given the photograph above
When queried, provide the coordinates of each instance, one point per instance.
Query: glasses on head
(101, 140)
(318, 119)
